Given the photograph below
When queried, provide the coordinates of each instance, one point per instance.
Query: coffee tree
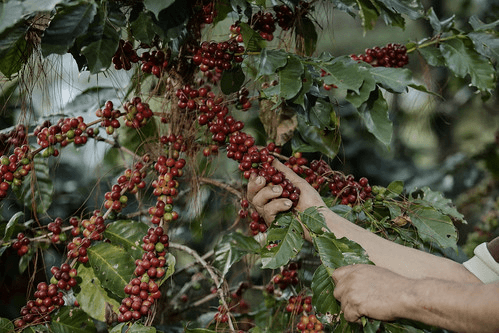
(215, 91)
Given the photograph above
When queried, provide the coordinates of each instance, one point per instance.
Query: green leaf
(288, 232)
(14, 11)
(232, 248)
(92, 296)
(486, 44)
(127, 234)
(306, 36)
(290, 78)
(433, 226)
(322, 288)
(14, 50)
(344, 73)
(376, 118)
(438, 201)
(336, 253)
(315, 139)
(395, 188)
(37, 188)
(394, 80)
(156, 6)
(478, 25)
(368, 85)
(412, 8)
(463, 60)
(252, 40)
(198, 330)
(314, 220)
(36, 329)
(6, 325)
(368, 14)
(432, 55)
(112, 265)
(68, 24)
(320, 113)
(72, 320)
(437, 25)
(144, 28)
(270, 61)
(11, 225)
(232, 80)
(105, 43)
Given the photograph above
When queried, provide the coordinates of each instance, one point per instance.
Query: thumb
(340, 272)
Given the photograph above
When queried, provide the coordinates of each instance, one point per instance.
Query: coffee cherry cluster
(208, 13)
(47, 299)
(325, 85)
(285, 16)
(310, 324)
(143, 288)
(222, 314)
(137, 113)
(78, 249)
(299, 304)
(116, 199)
(193, 99)
(257, 223)
(237, 304)
(14, 138)
(264, 24)
(349, 191)
(391, 55)
(133, 180)
(218, 56)
(242, 101)
(124, 56)
(109, 117)
(13, 169)
(166, 185)
(21, 244)
(56, 228)
(154, 62)
(287, 277)
(64, 277)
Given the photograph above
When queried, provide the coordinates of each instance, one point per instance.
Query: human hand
(265, 198)
(371, 291)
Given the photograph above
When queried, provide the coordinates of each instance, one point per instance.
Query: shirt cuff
(483, 265)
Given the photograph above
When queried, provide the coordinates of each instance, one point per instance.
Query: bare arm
(365, 290)
(400, 259)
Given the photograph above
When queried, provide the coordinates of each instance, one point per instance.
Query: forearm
(400, 259)
(454, 306)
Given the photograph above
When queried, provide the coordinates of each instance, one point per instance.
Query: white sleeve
(483, 265)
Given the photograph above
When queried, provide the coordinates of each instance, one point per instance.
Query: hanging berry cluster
(21, 244)
(287, 277)
(264, 24)
(310, 324)
(56, 228)
(137, 113)
(143, 289)
(286, 17)
(391, 55)
(13, 169)
(218, 56)
(125, 55)
(154, 62)
(14, 138)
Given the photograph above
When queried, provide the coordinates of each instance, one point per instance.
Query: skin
(405, 283)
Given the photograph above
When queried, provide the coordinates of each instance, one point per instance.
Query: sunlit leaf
(72, 320)
(376, 118)
(314, 220)
(322, 288)
(127, 234)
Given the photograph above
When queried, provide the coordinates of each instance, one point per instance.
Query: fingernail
(288, 203)
(276, 189)
(259, 180)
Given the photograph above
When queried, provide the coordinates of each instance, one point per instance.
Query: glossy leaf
(156, 6)
(92, 296)
(100, 52)
(322, 291)
(6, 325)
(437, 200)
(395, 80)
(68, 24)
(314, 220)
(432, 55)
(433, 226)
(288, 233)
(72, 320)
(316, 139)
(395, 188)
(252, 40)
(486, 44)
(336, 253)
(232, 248)
(290, 78)
(368, 14)
(368, 85)
(478, 25)
(437, 25)
(144, 28)
(14, 50)
(112, 265)
(11, 226)
(127, 234)
(412, 8)
(270, 61)
(35, 329)
(344, 73)
(376, 118)
(232, 80)
(463, 61)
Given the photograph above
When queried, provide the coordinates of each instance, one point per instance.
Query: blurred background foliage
(448, 142)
